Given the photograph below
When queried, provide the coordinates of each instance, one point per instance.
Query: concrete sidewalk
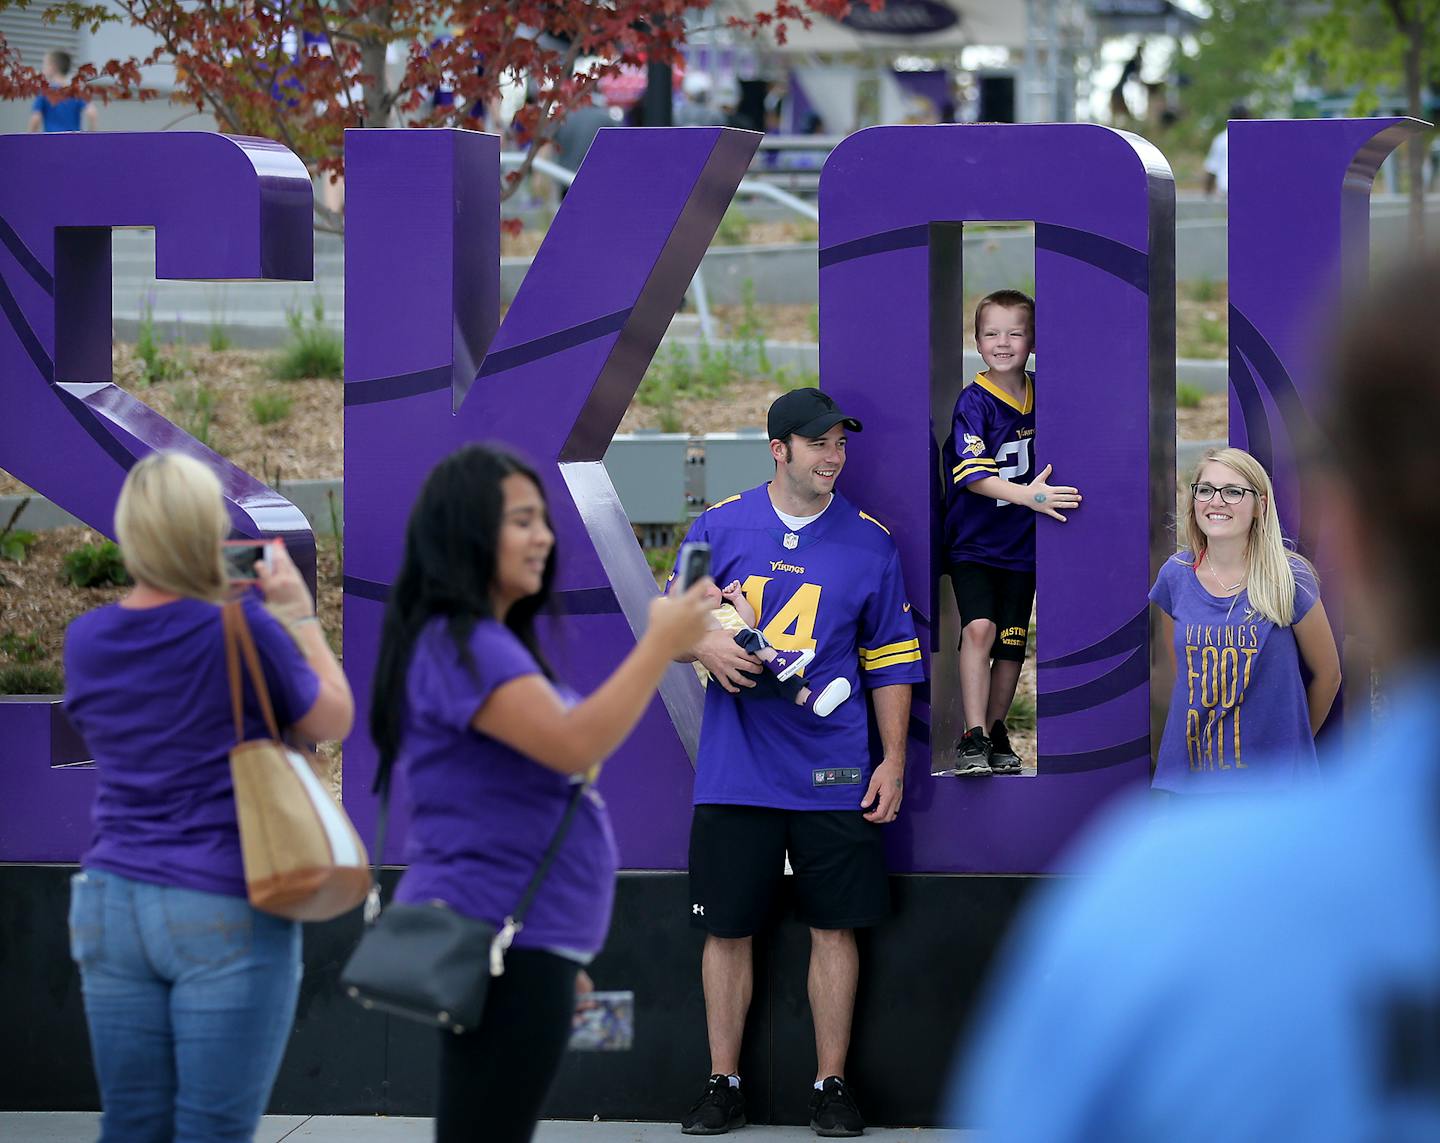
(83, 1127)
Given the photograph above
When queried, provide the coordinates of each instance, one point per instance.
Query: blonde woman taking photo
(1242, 616)
(189, 992)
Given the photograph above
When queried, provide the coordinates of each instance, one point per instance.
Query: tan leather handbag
(303, 858)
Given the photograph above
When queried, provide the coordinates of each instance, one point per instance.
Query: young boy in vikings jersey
(992, 494)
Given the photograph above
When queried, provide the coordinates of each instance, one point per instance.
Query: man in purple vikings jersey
(989, 535)
(770, 778)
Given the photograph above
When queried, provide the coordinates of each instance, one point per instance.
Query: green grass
(155, 366)
(314, 350)
(196, 407)
(1022, 713)
(1188, 396)
(734, 228)
(270, 408)
(1204, 290)
(31, 679)
(21, 648)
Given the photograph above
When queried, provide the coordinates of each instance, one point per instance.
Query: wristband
(294, 623)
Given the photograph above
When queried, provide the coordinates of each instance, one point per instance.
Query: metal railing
(751, 187)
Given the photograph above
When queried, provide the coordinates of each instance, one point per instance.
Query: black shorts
(1003, 596)
(737, 857)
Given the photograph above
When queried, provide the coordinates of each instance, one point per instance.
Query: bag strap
(240, 642)
(516, 920)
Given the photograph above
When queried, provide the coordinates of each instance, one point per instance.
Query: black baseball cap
(808, 412)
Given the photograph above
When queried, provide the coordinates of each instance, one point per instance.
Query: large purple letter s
(221, 208)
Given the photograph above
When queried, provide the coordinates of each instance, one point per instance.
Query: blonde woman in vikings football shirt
(1241, 614)
(770, 778)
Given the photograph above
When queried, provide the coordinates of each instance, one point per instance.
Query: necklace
(1227, 588)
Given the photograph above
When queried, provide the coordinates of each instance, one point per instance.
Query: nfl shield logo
(791, 540)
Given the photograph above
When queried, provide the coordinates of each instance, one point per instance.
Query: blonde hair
(170, 521)
(1269, 564)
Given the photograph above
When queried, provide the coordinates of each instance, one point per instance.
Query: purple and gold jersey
(834, 586)
(991, 436)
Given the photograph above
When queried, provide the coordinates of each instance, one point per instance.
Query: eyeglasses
(1230, 493)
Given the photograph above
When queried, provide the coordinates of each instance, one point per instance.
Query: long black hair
(448, 570)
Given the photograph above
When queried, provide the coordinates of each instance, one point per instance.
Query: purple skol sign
(428, 366)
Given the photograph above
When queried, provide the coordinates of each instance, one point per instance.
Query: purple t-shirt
(148, 689)
(1238, 718)
(482, 814)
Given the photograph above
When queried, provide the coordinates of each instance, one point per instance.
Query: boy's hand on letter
(1050, 498)
(678, 621)
(727, 663)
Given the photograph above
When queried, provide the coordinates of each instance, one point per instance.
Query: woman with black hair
(490, 745)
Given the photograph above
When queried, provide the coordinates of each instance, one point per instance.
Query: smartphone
(693, 563)
(603, 1022)
(241, 558)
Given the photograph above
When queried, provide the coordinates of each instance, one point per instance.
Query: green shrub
(21, 648)
(314, 350)
(270, 408)
(16, 545)
(1188, 396)
(197, 412)
(31, 679)
(96, 565)
(218, 338)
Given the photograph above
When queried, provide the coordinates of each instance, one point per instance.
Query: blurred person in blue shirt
(1267, 968)
(49, 112)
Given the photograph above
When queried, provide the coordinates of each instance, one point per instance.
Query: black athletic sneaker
(717, 1111)
(1003, 760)
(833, 1113)
(972, 753)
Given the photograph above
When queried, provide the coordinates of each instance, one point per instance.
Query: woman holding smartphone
(189, 992)
(491, 746)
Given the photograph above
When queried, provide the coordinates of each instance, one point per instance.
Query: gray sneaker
(972, 754)
(1003, 760)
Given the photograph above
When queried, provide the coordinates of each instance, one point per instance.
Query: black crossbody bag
(427, 962)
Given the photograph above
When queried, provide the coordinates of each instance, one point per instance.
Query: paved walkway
(83, 1127)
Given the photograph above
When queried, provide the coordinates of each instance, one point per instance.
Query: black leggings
(494, 1080)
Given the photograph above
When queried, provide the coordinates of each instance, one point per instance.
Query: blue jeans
(189, 997)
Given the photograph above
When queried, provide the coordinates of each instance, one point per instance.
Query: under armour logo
(697, 910)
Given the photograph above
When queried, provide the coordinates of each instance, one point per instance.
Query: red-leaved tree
(301, 71)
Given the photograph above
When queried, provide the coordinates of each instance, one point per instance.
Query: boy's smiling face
(1005, 339)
